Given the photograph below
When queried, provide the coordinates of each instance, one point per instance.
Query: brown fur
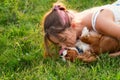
(98, 44)
(101, 43)
(71, 55)
(86, 57)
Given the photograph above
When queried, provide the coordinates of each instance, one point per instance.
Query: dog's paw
(80, 57)
(90, 59)
(85, 32)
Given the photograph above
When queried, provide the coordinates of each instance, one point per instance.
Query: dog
(92, 45)
(70, 53)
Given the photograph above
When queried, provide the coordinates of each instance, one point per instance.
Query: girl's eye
(56, 43)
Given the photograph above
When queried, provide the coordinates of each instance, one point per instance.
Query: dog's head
(70, 54)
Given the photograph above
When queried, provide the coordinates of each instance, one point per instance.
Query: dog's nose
(61, 55)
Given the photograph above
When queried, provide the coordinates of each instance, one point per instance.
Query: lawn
(22, 48)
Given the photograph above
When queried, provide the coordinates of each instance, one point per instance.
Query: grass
(21, 48)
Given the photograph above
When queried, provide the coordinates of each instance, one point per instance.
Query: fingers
(114, 54)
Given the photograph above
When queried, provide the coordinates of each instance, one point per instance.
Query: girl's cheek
(73, 25)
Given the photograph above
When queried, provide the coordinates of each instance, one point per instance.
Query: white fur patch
(82, 45)
(64, 54)
(85, 32)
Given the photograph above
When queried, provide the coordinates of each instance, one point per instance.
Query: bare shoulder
(104, 19)
(106, 13)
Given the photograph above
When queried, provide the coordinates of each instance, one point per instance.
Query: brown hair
(55, 23)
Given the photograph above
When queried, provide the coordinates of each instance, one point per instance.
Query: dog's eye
(66, 48)
(66, 56)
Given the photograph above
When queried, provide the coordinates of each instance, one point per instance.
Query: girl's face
(68, 38)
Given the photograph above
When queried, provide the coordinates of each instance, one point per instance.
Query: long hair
(55, 23)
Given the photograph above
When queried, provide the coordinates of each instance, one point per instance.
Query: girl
(63, 27)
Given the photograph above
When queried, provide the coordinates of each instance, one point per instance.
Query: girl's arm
(105, 24)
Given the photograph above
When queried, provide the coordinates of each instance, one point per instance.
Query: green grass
(21, 45)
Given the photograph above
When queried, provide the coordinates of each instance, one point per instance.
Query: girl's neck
(77, 27)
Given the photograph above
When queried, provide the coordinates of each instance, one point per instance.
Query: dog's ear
(72, 52)
(71, 55)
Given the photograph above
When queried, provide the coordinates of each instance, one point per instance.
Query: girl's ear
(73, 25)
